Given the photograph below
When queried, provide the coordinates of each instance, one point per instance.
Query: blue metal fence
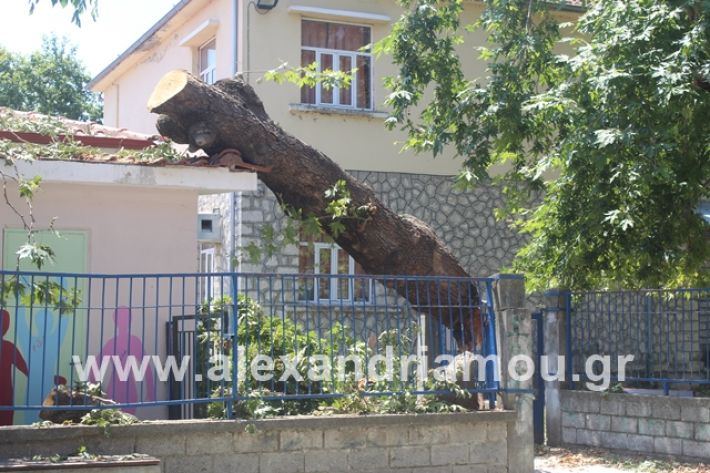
(217, 326)
(667, 332)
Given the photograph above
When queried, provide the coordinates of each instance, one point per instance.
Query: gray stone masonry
(465, 221)
(431, 443)
(672, 426)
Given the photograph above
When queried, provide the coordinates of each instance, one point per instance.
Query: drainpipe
(235, 208)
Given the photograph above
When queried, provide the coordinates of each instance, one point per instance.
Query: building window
(341, 282)
(207, 61)
(207, 284)
(338, 47)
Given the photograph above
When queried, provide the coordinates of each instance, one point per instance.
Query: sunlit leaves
(615, 132)
(80, 8)
(309, 76)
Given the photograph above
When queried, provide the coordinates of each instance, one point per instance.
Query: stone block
(282, 462)
(55, 447)
(569, 435)
(667, 446)
(498, 469)
(387, 436)
(695, 413)
(367, 458)
(640, 443)
(467, 433)
(236, 463)
(679, 429)
(590, 404)
(409, 456)
(188, 464)
(111, 445)
(638, 407)
(260, 441)
(702, 432)
(696, 449)
(301, 439)
(209, 444)
(573, 419)
(624, 424)
(449, 454)
(652, 426)
(326, 461)
(497, 432)
(665, 408)
(615, 441)
(431, 435)
(430, 469)
(591, 438)
(471, 469)
(598, 422)
(162, 445)
(345, 438)
(613, 406)
(490, 454)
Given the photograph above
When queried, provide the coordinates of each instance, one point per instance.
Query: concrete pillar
(554, 321)
(514, 326)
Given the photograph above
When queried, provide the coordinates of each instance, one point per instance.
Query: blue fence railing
(186, 345)
(666, 331)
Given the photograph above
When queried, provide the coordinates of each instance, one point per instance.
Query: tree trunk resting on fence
(229, 115)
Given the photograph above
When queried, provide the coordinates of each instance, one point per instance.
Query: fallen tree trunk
(229, 115)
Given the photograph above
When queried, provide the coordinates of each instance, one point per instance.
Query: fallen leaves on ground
(571, 459)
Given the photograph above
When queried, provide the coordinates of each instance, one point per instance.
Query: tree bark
(230, 115)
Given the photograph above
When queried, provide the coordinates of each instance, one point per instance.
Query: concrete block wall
(663, 425)
(432, 443)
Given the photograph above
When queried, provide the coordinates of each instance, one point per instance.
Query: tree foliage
(606, 149)
(50, 81)
(80, 7)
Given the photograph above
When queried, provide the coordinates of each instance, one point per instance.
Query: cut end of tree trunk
(169, 86)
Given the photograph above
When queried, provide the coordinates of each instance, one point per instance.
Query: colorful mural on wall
(46, 338)
(41, 341)
(10, 359)
(123, 345)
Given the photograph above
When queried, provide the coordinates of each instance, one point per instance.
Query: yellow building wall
(265, 40)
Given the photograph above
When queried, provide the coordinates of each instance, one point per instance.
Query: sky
(120, 23)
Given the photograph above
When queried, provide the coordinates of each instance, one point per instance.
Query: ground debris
(596, 460)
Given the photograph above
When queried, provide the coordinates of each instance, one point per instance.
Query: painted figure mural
(122, 346)
(10, 358)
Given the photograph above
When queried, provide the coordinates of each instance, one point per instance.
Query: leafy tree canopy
(80, 7)
(50, 81)
(615, 136)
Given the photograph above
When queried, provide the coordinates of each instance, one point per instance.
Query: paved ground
(603, 461)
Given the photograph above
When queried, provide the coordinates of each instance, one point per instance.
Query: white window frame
(209, 73)
(208, 265)
(333, 281)
(337, 54)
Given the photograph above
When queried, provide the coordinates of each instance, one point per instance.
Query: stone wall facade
(668, 332)
(464, 220)
(663, 425)
(432, 443)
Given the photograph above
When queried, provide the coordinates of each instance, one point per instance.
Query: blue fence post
(649, 334)
(569, 362)
(235, 348)
(491, 349)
